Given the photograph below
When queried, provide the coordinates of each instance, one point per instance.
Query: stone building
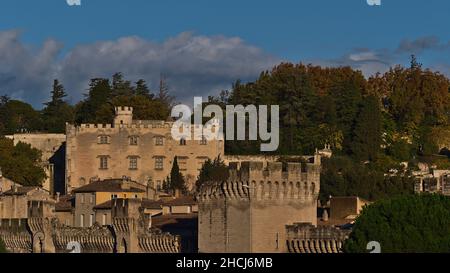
(6, 184)
(346, 208)
(141, 150)
(434, 181)
(249, 212)
(13, 203)
(101, 191)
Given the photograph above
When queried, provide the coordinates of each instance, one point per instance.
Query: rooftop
(109, 185)
(20, 191)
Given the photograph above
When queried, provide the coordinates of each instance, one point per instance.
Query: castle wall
(15, 235)
(84, 152)
(15, 206)
(41, 232)
(249, 212)
(306, 238)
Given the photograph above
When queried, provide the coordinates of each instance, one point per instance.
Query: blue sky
(202, 46)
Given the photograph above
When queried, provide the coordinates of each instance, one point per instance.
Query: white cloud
(193, 64)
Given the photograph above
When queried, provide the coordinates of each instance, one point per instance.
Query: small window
(91, 220)
(103, 139)
(103, 162)
(134, 140)
(92, 199)
(159, 141)
(104, 219)
(133, 162)
(82, 220)
(82, 199)
(183, 142)
(159, 163)
(204, 141)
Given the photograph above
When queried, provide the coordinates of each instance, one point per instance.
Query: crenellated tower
(249, 212)
(124, 115)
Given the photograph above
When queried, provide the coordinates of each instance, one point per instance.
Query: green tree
(212, 171)
(142, 89)
(90, 110)
(176, 181)
(21, 163)
(406, 224)
(164, 93)
(367, 134)
(120, 86)
(57, 112)
(98, 106)
(17, 116)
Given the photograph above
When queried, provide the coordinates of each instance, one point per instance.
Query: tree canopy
(406, 224)
(212, 171)
(21, 163)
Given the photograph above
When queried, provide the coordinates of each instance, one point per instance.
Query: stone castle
(112, 203)
(141, 150)
(249, 212)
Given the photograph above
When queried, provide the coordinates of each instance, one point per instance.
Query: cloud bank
(192, 64)
(371, 61)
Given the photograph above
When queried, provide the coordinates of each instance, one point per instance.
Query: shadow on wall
(59, 164)
(187, 229)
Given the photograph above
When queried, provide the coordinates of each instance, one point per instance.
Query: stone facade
(141, 150)
(346, 208)
(13, 203)
(435, 181)
(306, 238)
(249, 212)
(41, 232)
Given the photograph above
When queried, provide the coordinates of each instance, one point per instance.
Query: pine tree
(176, 178)
(163, 94)
(57, 112)
(121, 87)
(142, 89)
(58, 94)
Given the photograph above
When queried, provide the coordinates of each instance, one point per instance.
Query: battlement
(306, 238)
(41, 209)
(125, 208)
(267, 181)
(123, 110)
